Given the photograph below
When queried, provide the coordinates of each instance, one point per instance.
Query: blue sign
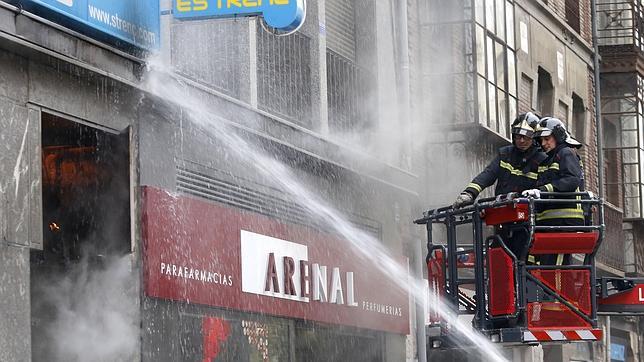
(280, 14)
(134, 21)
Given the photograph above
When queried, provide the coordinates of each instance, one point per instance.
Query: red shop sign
(201, 252)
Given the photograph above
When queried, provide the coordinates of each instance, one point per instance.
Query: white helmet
(554, 126)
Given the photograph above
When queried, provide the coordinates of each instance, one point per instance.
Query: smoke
(166, 85)
(92, 312)
(423, 106)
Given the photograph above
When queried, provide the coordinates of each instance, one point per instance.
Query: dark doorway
(545, 93)
(86, 215)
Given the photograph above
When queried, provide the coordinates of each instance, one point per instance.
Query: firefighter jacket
(561, 172)
(513, 171)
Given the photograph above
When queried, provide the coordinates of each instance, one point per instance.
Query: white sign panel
(254, 249)
(523, 29)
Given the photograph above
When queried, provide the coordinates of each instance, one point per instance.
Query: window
(611, 164)
(496, 64)
(284, 76)
(572, 14)
(219, 335)
(341, 28)
(578, 124)
(348, 87)
(221, 64)
(617, 23)
(526, 95)
(623, 139)
(562, 114)
(545, 93)
(350, 81)
(86, 218)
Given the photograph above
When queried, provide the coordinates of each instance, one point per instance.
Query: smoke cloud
(93, 312)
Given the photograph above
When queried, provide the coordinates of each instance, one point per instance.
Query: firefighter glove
(464, 199)
(534, 193)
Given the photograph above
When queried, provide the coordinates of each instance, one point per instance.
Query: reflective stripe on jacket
(561, 172)
(512, 170)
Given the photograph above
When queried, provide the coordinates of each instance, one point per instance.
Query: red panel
(191, 234)
(572, 285)
(564, 243)
(630, 297)
(571, 335)
(215, 332)
(598, 333)
(541, 335)
(506, 214)
(501, 273)
(436, 281)
(551, 315)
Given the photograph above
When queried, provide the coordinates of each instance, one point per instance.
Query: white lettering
(351, 296)
(337, 296)
(382, 308)
(319, 282)
(641, 294)
(135, 31)
(181, 271)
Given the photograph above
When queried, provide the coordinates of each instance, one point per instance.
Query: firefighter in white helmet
(561, 171)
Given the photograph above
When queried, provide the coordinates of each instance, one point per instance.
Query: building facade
(485, 61)
(167, 197)
(619, 39)
(226, 194)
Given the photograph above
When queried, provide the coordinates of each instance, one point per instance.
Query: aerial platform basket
(511, 299)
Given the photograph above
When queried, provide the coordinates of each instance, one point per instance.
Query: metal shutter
(340, 27)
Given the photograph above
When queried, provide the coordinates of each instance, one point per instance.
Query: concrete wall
(14, 209)
(568, 60)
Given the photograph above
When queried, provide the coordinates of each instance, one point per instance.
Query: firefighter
(514, 170)
(561, 171)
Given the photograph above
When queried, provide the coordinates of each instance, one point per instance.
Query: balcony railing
(284, 80)
(348, 88)
(620, 23)
(611, 252)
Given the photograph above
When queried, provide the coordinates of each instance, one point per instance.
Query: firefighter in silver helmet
(514, 169)
(561, 171)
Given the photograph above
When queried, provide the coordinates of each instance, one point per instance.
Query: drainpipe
(402, 41)
(598, 109)
(600, 134)
(607, 335)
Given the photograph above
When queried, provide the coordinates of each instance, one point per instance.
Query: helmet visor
(524, 129)
(572, 142)
(543, 132)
